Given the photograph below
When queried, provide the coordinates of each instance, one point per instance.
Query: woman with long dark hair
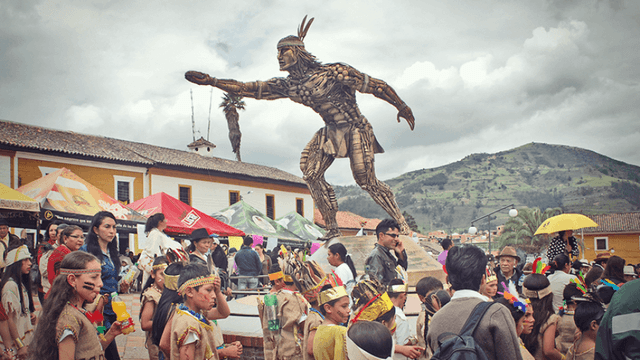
(614, 270)
(100, 243)
(66, 330)
(541, 341)
(16, 298)
(157, 243)
(345, 269)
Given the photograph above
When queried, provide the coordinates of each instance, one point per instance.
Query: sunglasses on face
(393, 235)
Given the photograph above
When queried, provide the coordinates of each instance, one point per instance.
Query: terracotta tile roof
(348, 220)
(616, 222)
(201, 142)
(28, 137)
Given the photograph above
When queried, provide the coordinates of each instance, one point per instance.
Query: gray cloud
(479, 76)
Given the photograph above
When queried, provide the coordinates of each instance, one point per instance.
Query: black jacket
(381, 264)
(517, 278)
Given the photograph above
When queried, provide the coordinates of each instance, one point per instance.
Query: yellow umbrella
(565, 222)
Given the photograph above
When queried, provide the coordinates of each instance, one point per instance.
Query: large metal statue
(329, 89)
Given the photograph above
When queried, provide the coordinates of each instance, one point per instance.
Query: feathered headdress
(336, 292)
(511, 294)
(539, 267)
(580, 283)
(610, 284)
(491, 276)
(177, 255)
(370, 300)
(297, 40)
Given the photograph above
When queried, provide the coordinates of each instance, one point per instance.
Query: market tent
(18, 209)
(301, 226)
(182, 219)
(65, 196)
(246, 218)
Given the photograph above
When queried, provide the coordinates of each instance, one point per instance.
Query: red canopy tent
(181, 218)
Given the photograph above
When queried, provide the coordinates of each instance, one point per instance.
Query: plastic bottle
(119, 307)
(271, 312)
(131, 274)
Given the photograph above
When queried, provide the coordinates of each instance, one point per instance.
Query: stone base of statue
(421, 264)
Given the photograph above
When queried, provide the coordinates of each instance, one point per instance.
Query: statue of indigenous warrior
(330, 90)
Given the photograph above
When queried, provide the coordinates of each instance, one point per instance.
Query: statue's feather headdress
(292, 40)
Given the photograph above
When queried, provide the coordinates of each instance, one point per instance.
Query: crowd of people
(498, 309)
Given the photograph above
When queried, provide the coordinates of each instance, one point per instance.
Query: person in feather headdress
(292, 311)
(329, 90)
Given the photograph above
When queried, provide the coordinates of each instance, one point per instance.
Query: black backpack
(463, 346)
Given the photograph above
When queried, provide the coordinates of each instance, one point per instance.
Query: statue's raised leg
(362, 166)
(314, 163)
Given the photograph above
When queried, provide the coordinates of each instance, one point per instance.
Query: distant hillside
(533, 175)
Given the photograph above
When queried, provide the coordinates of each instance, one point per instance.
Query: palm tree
(230, 104)
(520, 230)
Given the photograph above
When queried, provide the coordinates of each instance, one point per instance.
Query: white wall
(210, 197)
(5, 170)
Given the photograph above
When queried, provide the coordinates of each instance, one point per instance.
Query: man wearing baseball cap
(508, 270)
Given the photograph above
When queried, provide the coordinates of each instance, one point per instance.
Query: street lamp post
(473, 230)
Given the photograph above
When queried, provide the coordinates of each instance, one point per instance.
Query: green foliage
(521, 229)
(481, 183)
(438, 179)
(411, 221)
(540, 199)
(625, 190)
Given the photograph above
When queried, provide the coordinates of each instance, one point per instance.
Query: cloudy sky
(480, 76)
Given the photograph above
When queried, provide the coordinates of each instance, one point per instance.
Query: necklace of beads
(196, 315)
(317, 312)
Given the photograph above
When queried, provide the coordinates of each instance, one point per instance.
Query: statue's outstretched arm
(380, 89)
(255, 89)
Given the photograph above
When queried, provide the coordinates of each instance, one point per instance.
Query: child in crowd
(192, 335)
(522, 314)
(66, 330)
(309, 279)
(291, 310)
(405, 343)
(587, 317)
(566, 325)
(166, 305)
(424, 287)
(541, 341)
(16, 299)
(329, 342)
(151, 293)
(368, 340)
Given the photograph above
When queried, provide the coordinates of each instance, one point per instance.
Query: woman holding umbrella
(565, 243)
(564, 225)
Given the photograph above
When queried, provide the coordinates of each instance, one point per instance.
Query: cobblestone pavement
(130, 346)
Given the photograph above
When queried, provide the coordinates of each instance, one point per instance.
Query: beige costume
(21, 314)
(420, 336)
(184, 325)
(83, 332)
(313, 321)
(586, 355)
(526, 355)
(566, 333)
(552, 320)
(292, 312)
(151, 295)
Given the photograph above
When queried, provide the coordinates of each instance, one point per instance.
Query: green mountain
(533, 175)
